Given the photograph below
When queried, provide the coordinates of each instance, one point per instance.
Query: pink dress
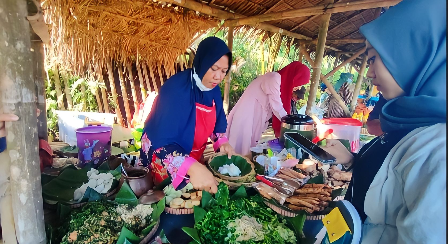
(249, 117)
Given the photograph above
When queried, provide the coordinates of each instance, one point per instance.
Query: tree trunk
(124, 94)
(110, 74)
(21, 192)
(317, 67)
(358, 84)
(68, 96)
(228, 77)
(57, 87)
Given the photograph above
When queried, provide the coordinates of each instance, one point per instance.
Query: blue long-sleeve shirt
(2, 144)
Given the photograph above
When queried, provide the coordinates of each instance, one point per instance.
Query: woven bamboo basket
(250, 177)
(235, 185)
(179, 211)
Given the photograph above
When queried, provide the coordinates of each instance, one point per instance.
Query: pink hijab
(293, 75)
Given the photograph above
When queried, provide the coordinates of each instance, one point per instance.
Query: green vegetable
(212, 220)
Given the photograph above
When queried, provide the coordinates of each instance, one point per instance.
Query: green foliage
(82, 101)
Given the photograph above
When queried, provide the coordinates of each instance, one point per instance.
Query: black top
(375, 113)
(366, 164)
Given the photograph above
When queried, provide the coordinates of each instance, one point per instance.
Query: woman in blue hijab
(186, 113)
(399, 179)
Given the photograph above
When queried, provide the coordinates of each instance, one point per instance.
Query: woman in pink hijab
(267, 95)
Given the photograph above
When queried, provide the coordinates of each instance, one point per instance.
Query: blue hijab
(173, 115)
(411, 40)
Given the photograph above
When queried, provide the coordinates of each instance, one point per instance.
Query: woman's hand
(339, 151)
(201, 178)
(226, 148)
(6, 118)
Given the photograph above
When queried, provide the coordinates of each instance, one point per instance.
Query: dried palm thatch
(86, 32)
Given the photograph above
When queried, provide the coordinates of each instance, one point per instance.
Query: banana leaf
(240, 162)
(61, 188)
(126, 236)
(126, 196)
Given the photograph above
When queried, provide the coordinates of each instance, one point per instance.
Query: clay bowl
(139, 179)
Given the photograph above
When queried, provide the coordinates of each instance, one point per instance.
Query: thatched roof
(92, 32)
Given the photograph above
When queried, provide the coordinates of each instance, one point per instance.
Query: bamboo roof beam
(346, 41)
(316, 10)
(305, 22)
(353, 16)
(221, 14)
(353, 57)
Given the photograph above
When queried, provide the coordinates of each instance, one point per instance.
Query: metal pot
(300, 123)
(139, 179)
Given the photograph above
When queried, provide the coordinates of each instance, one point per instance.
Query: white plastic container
(343, 128)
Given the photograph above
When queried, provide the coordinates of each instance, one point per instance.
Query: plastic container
(343, 128)
(94, 143)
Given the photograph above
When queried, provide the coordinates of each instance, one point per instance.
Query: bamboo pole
(57, 87)
(329, 85)
(353, 57)
(358, 84)
(68, 96)
(159, 71)
(221, 14)
(228, 77)
(98, 100)
(145, 73)
(124, 95)
(101, 90)
(110, 74)
(140, 77)
(153, 78)
(133, 90)
(316, 10)
(105, 100)
(317, 67)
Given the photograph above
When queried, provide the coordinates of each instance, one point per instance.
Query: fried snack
(298, 208)
(313, 191)
(299, 202)
(318, 196)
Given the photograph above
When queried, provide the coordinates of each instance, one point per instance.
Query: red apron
(205, 124)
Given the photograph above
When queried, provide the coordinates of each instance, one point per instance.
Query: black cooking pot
(300, 123)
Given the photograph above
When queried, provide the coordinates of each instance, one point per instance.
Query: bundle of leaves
(219, 220)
